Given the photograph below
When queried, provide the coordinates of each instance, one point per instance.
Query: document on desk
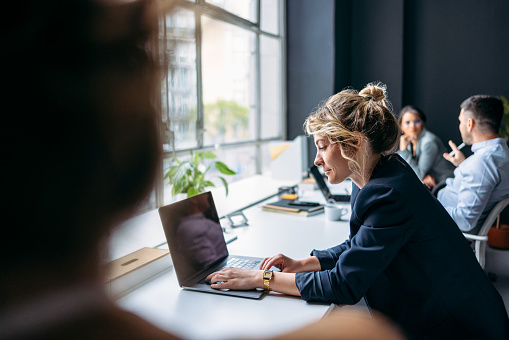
(287, 206)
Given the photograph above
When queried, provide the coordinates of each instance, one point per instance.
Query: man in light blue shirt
(481, 180)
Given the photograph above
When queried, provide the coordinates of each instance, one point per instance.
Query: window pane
(228, 66)
(241, 159)
(270, 61)
(269, 16)
(179, 86)
(243, 8)
(266, 158)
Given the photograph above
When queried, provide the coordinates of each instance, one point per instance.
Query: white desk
(146, 230)
(195, 315)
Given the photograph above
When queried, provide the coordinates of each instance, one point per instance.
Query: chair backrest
(437, 188)
(497, 209)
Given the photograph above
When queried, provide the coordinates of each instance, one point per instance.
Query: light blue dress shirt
(480, 182)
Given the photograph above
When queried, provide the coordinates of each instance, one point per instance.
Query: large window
(223, 89)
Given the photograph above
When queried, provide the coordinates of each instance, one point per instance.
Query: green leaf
(207, 155)
(198, 179)
(174, 191)
(178, 188)
(225, 183)
(504, 101)
(178, 174)
(504, 127)
(196, 159)
(192, 191)
(208, 184)
(206, 170)
(171, 172)
(224, 169)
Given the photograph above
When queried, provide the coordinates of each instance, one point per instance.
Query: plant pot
(499, 237)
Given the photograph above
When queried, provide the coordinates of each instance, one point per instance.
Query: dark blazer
(410, 261)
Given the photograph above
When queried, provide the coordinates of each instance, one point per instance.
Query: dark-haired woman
(405, 254)
(421, 149)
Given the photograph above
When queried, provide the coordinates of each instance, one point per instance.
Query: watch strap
(267, 276)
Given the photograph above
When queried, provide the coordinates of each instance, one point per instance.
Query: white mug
(335, 212)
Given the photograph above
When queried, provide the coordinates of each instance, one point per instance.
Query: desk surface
(146, 230)
(195, 315)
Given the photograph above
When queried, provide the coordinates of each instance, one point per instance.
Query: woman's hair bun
(377, 91)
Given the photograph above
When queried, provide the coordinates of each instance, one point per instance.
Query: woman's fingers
(274, 261)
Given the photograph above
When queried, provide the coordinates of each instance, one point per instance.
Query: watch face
(267, 274)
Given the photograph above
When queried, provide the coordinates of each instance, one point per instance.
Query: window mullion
(282, 39)
(258, 14)
(258, 105)
(199, 83)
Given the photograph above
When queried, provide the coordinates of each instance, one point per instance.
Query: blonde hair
(349, 114)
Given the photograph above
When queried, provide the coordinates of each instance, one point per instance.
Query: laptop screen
(194, 235)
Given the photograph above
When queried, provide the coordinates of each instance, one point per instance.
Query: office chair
(437, 188)
(482, 236)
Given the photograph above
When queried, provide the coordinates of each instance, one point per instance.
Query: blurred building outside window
(224, 84)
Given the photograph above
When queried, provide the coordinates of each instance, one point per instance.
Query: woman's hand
(405, 140)
(289, 265)
(429, 181)
(281, 262)
(236, 279)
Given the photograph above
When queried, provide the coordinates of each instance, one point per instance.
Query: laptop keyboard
(341, 198)
(241, 263)
(238, 263)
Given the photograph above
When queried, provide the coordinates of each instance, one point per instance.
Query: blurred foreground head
(79, 144)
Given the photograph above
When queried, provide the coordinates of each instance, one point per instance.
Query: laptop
(329, 197)
(197, 245)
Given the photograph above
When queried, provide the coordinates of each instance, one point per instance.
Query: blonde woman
(89, 127)
(405, 255)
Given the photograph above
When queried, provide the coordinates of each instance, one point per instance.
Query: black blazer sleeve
(372, 246)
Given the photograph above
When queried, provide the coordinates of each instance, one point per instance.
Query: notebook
(329, 197)
(197, 245)
(287, 206)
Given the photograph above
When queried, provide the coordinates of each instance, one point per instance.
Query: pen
(459, 148)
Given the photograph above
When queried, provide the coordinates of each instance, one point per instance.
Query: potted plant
(498, 235)
(188, 177)
(504, 127)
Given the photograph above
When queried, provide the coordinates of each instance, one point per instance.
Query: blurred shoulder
(348, 324)
(429, 137)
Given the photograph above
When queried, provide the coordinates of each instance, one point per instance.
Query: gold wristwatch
(267, 276)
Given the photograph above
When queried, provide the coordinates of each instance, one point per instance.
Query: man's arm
(477, 181)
